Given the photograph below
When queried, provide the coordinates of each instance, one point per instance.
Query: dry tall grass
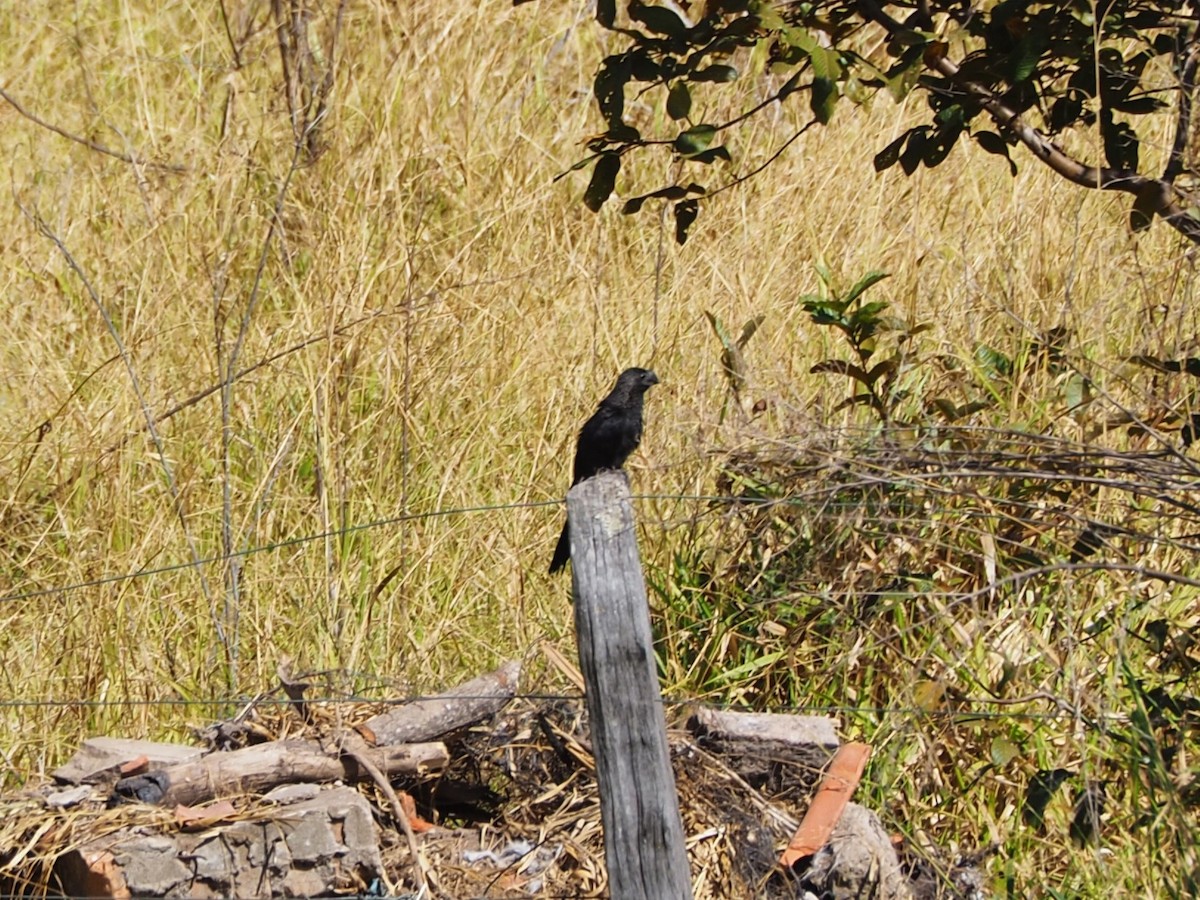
(440, 315)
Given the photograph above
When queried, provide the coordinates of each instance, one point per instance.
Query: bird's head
(637, 380)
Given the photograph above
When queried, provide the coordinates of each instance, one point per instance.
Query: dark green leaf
(748, 330)
(609, 88)
(863, 284)
(1138, 106)
(679, 101)
(910, 37)
(903, 78)
(868, 313)
(695, 139)
(1120, 145)
(623, 134)
(914, 152)
(1088, 816)
(993, 143)
(767, 16)
(604, 177)
(643, 68)
(715, 73)
(1155, 363)
(992, 361)
(890, 155)
(823, 99)
(575, 167)
(947, 408)
(657, 19)
(1025, 56)
(1003, 751)
(856, 400)
(1145, 205)
(606, 13)
(886, 367)
(940, 143)
(1042, 788)
(789, 87)
(1066, 111)
(672, 192)
(685, 214)
(712, 154)
(827, 69)
(719, 328)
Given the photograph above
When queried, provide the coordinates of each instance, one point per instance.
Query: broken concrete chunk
(324, 845)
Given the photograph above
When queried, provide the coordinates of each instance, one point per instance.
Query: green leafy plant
(862, 324)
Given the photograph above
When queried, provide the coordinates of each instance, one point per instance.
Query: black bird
(607, 439)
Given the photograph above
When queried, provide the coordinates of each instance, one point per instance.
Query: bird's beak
(649, 378)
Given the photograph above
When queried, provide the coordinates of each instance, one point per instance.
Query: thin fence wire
(965, 708)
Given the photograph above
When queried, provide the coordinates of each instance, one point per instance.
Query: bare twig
(352, 745)
(85, 142)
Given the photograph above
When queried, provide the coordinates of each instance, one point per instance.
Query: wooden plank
(779, 728)
(769, 750)
(639, 807)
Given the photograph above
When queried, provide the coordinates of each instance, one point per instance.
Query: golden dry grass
(452, 313)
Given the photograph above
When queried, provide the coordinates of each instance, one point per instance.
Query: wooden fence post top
(643, 833)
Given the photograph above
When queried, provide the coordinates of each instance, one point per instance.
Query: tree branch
(1183, 120)
(1165, 197)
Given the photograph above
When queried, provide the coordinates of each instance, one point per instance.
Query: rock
(859, 861)
(327, 844)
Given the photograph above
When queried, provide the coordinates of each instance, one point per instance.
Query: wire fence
(1015, 508)
(1033, 513)
(966, 708)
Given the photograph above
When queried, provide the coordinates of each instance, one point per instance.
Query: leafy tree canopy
(1007, 74)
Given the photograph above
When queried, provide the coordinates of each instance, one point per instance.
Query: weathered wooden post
(643, 833)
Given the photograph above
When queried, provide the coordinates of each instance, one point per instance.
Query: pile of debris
(470, 793)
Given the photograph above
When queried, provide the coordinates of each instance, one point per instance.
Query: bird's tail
(562, 551)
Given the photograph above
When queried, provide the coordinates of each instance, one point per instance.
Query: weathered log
(455, 709)
(264, 766)
(639, 807)
(99, 758)
(774, 752)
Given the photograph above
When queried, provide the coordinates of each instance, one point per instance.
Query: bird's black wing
(606, 440)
